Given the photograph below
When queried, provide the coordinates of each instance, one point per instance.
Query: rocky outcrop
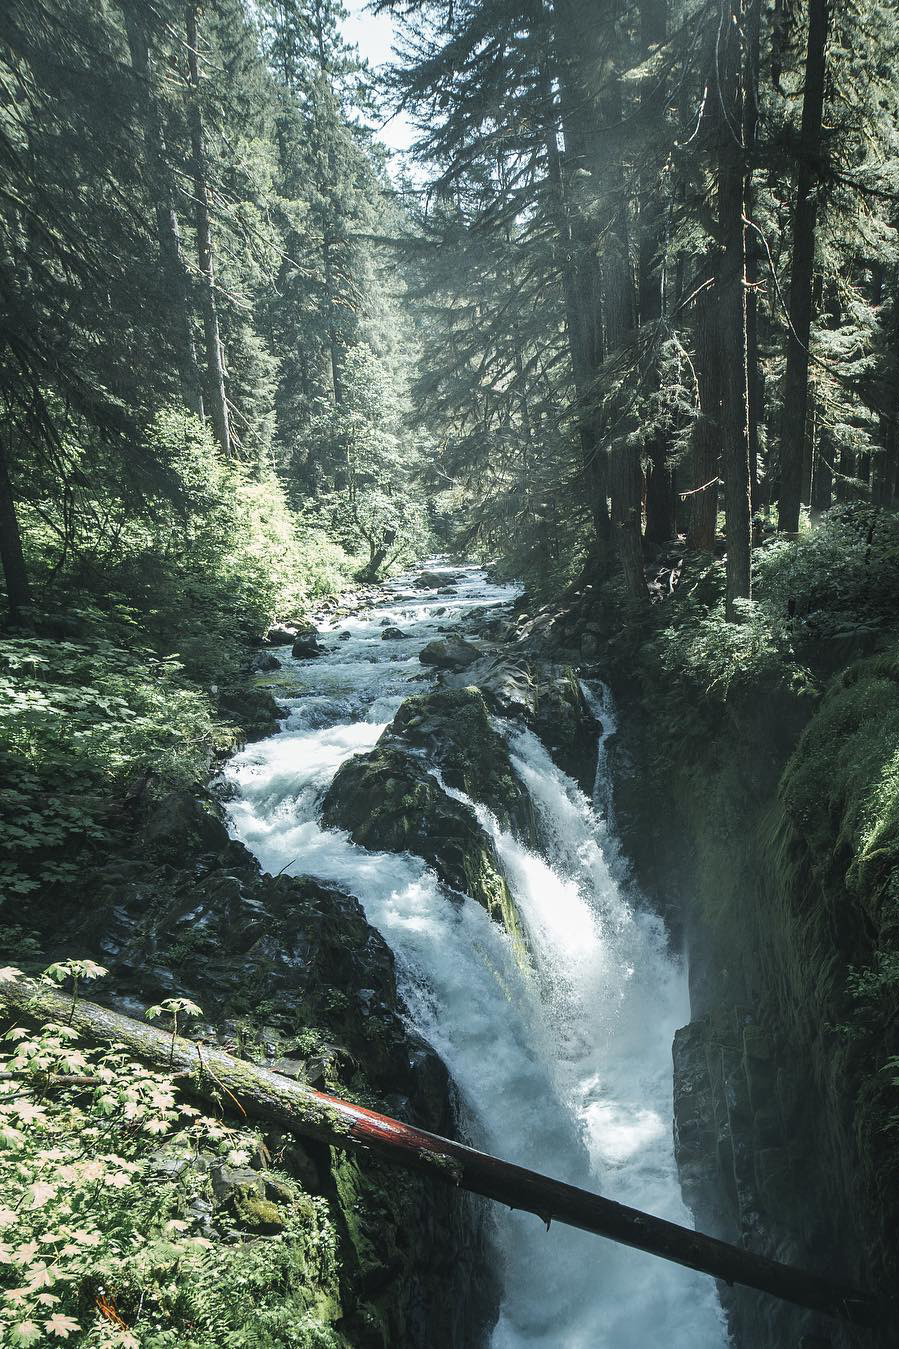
(779, 857)
(547, 697)
(453, 728)
(451, 653)
(389, 801)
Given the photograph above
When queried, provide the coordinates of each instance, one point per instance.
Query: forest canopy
(638, 284)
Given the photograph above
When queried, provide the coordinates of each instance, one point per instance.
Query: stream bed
(564, 1067)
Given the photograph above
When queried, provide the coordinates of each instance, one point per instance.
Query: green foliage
(714, 655)
(79, 721)
(840, 794)
(162, 606)
(846, 773)
(200, 569)
(841, 574)
(110, 1246)
(819, 600)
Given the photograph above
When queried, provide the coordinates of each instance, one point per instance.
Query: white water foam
(566, 1069)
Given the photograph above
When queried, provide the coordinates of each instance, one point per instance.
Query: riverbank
(490, 924)
(145, 881)
(442, 726)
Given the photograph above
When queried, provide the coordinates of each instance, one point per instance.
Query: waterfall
(565, 1068)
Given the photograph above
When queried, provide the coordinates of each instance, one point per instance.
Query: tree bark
(259, 1093)
(626, 483)
(215, 368)
(370, 571)
(174, 273)
(18, 589)
(753, 251)
(660, 521)
(333, 345)
(822, 482)
(732, 175)
(795, 408)
(620, 321)
(703, 498)
(581, 280)
(885, 480)
(580, 293)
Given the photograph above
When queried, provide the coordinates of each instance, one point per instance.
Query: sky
(373, 35)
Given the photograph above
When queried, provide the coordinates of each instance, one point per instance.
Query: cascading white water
(566, 1068)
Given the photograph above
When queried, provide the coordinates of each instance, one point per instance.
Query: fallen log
(260, 1094)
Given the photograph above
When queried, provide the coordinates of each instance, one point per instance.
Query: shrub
(79, 722)
(112, 1243)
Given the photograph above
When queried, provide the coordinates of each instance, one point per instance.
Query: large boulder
(280, 636)
(186, 823)
(306, 644)
(566, 725)
(394, 635)
(431, 580)
(389, 802)
(452, 653)
(548, 698)
(453, 727)
(265, 662)
(288, 970)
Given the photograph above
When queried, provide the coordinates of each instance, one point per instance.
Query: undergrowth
(112, 1232)
(134, 668)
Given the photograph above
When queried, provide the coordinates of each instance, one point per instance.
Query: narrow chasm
(460, 795)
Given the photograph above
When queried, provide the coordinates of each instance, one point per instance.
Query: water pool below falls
(564, 1068)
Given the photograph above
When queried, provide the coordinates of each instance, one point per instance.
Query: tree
(175, 277)
(733, 173)
(215, 369)
(795, 404)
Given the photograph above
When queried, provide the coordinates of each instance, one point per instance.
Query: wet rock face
(388, 801)
(453, 653)
(741, 1164)
(780, 1093)
(547, 698)
(567, 727)
(453, 727)
(289, 973)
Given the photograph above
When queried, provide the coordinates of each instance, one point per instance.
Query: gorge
(449, 616)
(561, 1055)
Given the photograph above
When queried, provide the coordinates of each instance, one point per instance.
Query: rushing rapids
(564, 1066)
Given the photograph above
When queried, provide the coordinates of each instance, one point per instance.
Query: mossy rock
(567, 727)
(454, 727)
(388, 801)
(258, 1214)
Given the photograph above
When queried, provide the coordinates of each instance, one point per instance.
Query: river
(566, 1067)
